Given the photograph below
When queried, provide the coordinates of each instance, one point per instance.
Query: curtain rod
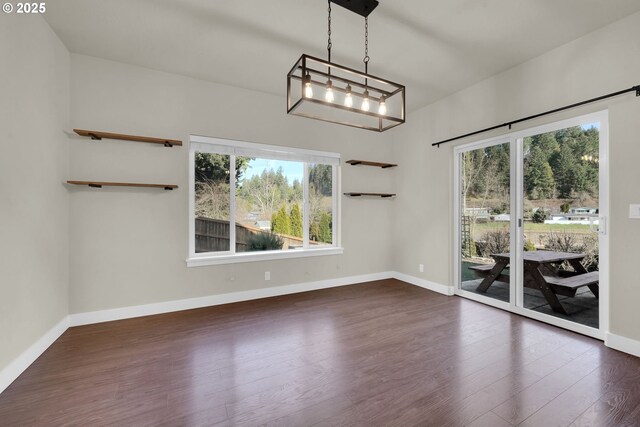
(635, 89)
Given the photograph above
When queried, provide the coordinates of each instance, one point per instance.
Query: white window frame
(234, 148)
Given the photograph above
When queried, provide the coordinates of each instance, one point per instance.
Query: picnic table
(541, 272)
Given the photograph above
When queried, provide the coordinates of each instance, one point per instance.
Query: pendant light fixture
(323, 90)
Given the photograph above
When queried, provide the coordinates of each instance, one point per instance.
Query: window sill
(200, 261)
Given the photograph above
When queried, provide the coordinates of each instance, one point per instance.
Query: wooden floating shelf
(368, 163)
(383, 195)
(97, 135)
(98, 184)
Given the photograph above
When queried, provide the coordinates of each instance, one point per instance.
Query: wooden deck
(381, 353)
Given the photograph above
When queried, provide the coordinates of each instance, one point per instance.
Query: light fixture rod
(329, 44)
(349, 70)
(352, 71)
(351, 82)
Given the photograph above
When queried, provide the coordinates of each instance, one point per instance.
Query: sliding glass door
(530, 223)
(484, 221)
(563, 221)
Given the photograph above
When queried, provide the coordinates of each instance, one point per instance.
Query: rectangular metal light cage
(317, 107)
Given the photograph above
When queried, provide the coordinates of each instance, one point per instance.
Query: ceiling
(434, 47)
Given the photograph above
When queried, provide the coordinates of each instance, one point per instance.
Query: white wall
(128, 247)
(601, 62)
(34, 214)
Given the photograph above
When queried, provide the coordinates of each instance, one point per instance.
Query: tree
(538, 176)
(217, 167)
(212, 200)
(212, 183)
(296, 220)
(321, 230)
(265, 192)
(539, 216)
(546, 142)
(320, 178)
(486, 175)
(325, 228)
(295, 192)
(280, 221)
(564, 170)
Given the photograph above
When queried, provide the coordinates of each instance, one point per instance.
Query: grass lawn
(481, 228)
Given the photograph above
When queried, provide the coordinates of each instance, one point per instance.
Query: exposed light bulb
(348, 99)
(383, 108)
(328, 96)
(308, 90)
(365, 101)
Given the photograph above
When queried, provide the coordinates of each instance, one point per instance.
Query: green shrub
(265, 241)
(565, 207)
(529, 246)
(539, 216)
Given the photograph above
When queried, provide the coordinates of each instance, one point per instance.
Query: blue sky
(591, 125)
(292, 170)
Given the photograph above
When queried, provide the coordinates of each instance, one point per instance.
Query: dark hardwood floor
(379, 353)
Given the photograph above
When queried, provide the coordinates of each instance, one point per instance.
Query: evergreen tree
(546, 142)
(564, 171)
(216, 167)
(296, 220)
(295, 192)
(538, 176)
(280, 221)
(325, 228)
(320, 178)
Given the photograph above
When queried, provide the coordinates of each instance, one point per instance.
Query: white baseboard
(24, 360)
(79, 319)
(432, 286)
(624, 344)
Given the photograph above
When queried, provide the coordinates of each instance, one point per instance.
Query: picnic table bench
(541, 274)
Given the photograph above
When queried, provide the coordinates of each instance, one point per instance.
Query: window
(255, 202)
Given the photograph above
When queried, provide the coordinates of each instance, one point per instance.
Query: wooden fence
(212, 235)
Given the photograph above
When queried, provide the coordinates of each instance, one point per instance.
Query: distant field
(481, 228)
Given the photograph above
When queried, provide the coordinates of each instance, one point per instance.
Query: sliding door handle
(602, 225)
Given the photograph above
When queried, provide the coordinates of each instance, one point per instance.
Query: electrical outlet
(421, 268)
(267, 275)
(634, 211)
